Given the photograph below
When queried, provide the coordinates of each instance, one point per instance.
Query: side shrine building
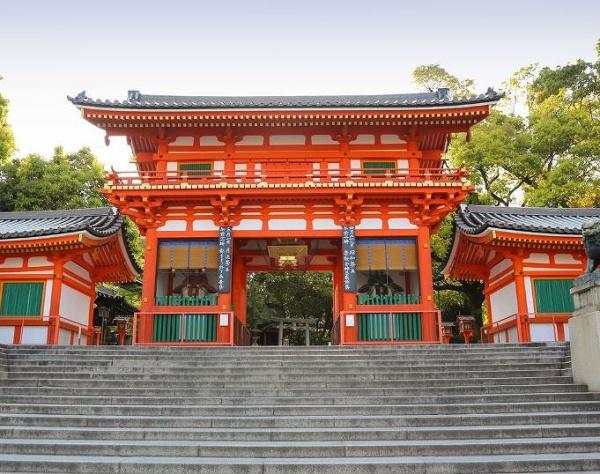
(224, 186)
(50, 262)
(527, 259)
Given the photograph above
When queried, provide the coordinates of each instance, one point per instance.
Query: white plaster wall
(364, 139)
(567, 333)
(391, 139)
(537, 258)
(74, 305)
(513, 335)
(542, 332)
(210, 140)
(47, 298)
(400, 223)
(34, 335)
(7, 334)
(171, 166)
(39, 261)
(500, 267)
(204, 224)
(12, 262)
(64, 337)
(370, 224)
(182, 141)
(249, 224)
(287, 140)
(287, 224)
(325, 224)
(566, 258)
(251, 140)
(323, 140)
(529, 294)
(82, 272)
(503, 302)
(173, 225)
(402, 166)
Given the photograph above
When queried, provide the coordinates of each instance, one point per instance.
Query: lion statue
(591, 242)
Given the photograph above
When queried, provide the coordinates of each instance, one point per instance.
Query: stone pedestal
(584, 330)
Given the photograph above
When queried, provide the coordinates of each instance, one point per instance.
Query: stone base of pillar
(584, 331)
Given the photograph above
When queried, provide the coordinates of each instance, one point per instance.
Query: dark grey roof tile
(137, 100)
(474, 219)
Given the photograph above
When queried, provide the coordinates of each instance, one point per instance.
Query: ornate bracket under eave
(224, 210)
(145, 211)
(431, 210)
(349, 209)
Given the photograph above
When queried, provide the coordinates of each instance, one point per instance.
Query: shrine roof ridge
(100, 222)
(474, 219)
(136, 100)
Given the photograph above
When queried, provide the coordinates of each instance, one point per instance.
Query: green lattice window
(196, 169)
(21, 299)
(553, 296)
(379, 167)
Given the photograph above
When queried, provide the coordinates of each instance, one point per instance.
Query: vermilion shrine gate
(224, 186)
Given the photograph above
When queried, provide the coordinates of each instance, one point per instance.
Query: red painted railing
(284, 175)
(523, 323)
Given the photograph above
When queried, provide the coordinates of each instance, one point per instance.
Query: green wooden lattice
(180, 300)
(379, 167)
(21, 299)
(197, 327)
(196, 169)
(553, 296)
(376, 326)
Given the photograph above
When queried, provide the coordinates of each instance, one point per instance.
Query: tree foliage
(65, 181)
(292, 294)
(433, 77)
(7, 139)
(547, 154)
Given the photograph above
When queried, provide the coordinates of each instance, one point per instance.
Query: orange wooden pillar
(145, 326)
(238, 288)
(54, 317)
(522, 310)
(426, 284)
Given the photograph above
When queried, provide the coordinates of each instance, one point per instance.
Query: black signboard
(349, 250)
(225, 254)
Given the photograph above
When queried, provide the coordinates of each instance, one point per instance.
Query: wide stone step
(209, 391)
(301, 421)
(497, 432)
(271, 384)
(424, 398)
(264, 449)
(301, 410)
(293, 368)
(389, 465)
(285, 375)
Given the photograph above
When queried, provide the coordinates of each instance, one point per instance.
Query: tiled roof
(100, 222)
(474, 219)
(137, 100)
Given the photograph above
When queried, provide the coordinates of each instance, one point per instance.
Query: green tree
(550, 155)
(7, 139)
(65, 181)
(433, 77)
(292, 294)
(547, 154)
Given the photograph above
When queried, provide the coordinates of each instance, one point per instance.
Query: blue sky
(49, 49)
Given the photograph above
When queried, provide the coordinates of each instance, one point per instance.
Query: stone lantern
(466, 325)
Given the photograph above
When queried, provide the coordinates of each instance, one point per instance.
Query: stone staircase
(417, 409)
